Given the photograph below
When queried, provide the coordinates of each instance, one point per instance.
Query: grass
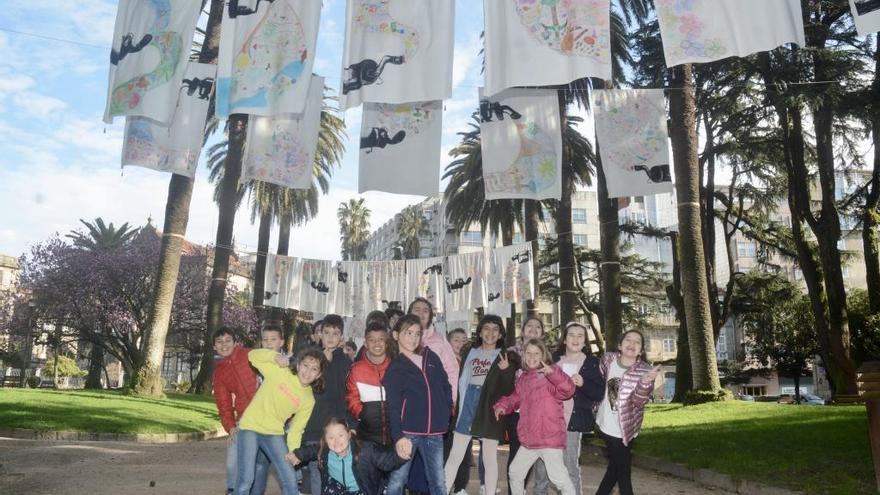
(105, 411)
(816, 449)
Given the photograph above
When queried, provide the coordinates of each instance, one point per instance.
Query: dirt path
(93, 468)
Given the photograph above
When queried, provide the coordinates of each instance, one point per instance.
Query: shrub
(34, 382)
(695, 397)
(66, 367)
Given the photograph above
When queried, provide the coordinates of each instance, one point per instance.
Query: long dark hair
(641, 356)
(353, 445)
(586, 349)
(407, 321)
(478, 339)
(318, 355)
(421, 300)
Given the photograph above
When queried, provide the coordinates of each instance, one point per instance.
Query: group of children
(402, 413)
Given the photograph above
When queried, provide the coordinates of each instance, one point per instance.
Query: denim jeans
(431, 449)
(261, 472)
(250, 444)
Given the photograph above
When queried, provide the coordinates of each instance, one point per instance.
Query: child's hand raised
(282, 361)
(292, 459)
(547, 369)
(650, 376)
(503, 361)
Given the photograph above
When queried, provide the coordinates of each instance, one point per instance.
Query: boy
(235, 384)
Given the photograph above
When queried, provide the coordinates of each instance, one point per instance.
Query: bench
(11, 381)
(48, 383)
(847, 400)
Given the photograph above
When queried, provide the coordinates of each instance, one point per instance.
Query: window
(721, 346)
(471, 238)
(517, 238)
(668, 345)
(745, 249)
(754, 390)
(579, 239)
(578, 215)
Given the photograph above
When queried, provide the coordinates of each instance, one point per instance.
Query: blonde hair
(546, 358)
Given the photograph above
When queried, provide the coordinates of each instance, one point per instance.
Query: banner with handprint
(699, 31)
(176, 147)
(867, 15)
(633, 141)
(425, 279)
(521, 139)
(397, 51)
(400, 148)
(546, 42)
(267, 50)
(464, 278)
(148, 58)
(281, 149)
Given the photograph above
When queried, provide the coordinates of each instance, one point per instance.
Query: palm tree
(148, 381)
(411, 224)
(101, 236)
(354, 228)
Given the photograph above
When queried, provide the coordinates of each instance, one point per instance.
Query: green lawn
(105, 411)
(817, 449)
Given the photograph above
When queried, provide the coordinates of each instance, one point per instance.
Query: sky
(60, 163)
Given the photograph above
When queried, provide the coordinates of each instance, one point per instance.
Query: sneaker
(482, 489)
(460, 492)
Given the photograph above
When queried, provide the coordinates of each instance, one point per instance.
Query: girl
(487, 376)
(432, 339)
(533, 328)
(629, 381)
(538, 395)
(282, 395)
(419, 402)
(574, 356)
(343, 466)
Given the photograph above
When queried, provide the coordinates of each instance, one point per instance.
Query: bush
(695, 397)
(34, 382)
(66, 367)
(182, 387)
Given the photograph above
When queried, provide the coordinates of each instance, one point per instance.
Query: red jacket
(235, 384)
(539, 400)
(369, 410)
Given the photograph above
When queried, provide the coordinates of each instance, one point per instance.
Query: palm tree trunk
(693, 262)
(227, 204)
(870, 215)
(565, 239)
(609, 266)
(148, 381)
(284, 235)
(531, 234)
(263, 238)
(684, 380)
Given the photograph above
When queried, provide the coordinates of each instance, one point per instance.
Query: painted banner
(318, 286)
(425, 279)
(541, 43)
(281, 150)
(699, 31)
(867, 15)
(173, 148)
(513, 264)
(397, 51)
(283, 281)
(633, 141)
(148, 59)
(386, 283)
(464, 277)
(400, 148)
(267, 50)
(521, 139)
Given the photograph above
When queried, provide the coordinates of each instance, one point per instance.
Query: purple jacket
(632, 396)
(539, 399)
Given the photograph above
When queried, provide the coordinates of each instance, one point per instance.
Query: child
(419, 406)
(235, 384)
(432, 339)
(538, 396)
(282, 395)
(629, 381)
(342, 464)
(350, 349)
(330, 401)
(575, 358)
(487, 375)
(458, 338)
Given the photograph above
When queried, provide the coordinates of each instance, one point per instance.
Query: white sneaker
(482, 489)
(460, 492)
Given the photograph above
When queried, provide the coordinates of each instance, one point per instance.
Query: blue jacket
(419, 400)
(590, 393)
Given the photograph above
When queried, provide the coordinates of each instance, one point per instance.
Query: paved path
(93, 468)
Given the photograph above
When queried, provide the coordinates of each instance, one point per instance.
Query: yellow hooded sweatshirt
(279, 397)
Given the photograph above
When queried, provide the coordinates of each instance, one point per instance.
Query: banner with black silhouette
(494, 304)
(318, 286)
(283, 281)
(531, 43)
(521, 144)
(281, 149)
(867, 15)
(706, 30)
(267, 50)
(176, 147)
(632, 137)
(397, 51)
(513, 265)
(352, 297)
(464, 277)
(386, 283)
(400, 148)
(148, 58)
(424, 278)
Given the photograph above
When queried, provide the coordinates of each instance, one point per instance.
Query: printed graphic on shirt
(480, 367)
(286, 392)
(613, 391)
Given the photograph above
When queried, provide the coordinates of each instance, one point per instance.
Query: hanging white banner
(867, 15)
(699, 31)
(283, 281)
(318, 286)
(281, 150)
(633, 141)
(513, 265)
(521, 138)
(397, 51)
(151, 44)
(464, 280)
(174, 148)
(425, 279)
(400, 148)
(267, 50)
(540, 43)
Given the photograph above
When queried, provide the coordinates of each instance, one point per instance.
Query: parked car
(747, 397)
(813, 400)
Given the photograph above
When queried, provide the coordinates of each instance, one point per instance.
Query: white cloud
(37, 105)
(467, 61)
(13, 83)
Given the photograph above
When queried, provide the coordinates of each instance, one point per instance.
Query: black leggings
(619, 471)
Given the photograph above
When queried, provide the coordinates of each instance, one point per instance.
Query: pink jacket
(631, 397)
(539, 399)
(432, 339)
